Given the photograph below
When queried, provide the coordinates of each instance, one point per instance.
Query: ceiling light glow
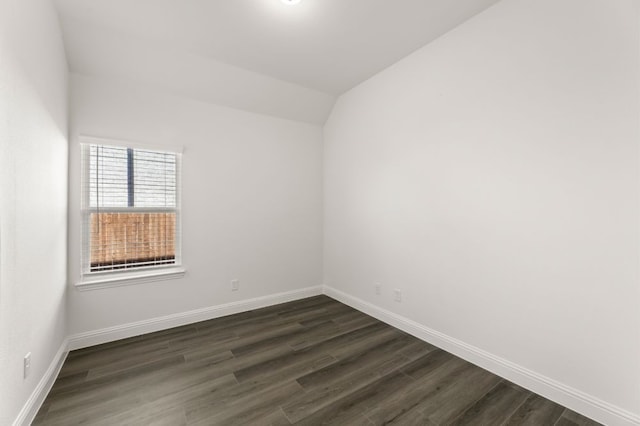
(290, 2)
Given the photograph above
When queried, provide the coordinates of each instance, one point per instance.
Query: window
(131, 215)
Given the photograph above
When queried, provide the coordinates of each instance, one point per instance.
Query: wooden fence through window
(125, 240)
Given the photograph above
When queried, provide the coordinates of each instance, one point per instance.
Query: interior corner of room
(479, 190)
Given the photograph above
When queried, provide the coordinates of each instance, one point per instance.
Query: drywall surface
(33, 197)
(492, 177)
(251, 201)
(97, 51)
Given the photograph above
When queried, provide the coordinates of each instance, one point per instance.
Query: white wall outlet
(235, 285)
(378, 289)
(26, 365)
(397, 295)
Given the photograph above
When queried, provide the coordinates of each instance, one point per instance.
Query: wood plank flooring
(310, 362)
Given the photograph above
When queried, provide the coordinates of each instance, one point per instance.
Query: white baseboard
(96, 337)
(574, 399)
(33, 404)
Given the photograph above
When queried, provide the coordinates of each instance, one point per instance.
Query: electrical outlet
(27, 365)
(235, 285)
(378, 289)
(397, 295)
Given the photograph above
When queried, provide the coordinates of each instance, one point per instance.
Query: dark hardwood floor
(309, 362)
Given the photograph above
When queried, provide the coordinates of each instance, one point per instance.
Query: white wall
(492, 176)
(252, 201)
(97, 51)
(33, 197)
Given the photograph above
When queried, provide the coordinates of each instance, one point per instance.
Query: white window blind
(130, 208)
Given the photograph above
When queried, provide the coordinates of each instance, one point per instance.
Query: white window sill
(128, 278)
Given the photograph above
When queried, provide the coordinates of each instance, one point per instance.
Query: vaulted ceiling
(258, 55)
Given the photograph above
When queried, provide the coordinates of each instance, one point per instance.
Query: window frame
(126, 276)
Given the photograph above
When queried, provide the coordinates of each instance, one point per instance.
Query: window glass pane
(154, 179)
(130, 240)
(153, 174)
(108, 176)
